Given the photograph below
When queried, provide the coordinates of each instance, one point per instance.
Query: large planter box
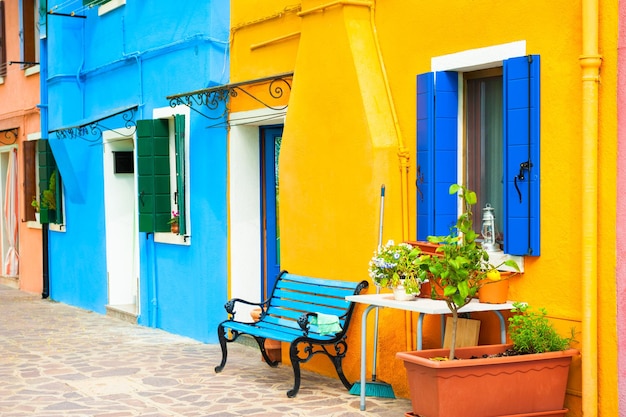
(486, 387)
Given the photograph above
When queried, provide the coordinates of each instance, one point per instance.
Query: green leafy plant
(48, 197)
(394, 264)
(532, 332)
(35, 204)
(461, 265)
(175, 218)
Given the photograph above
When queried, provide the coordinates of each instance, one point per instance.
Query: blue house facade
(125, 165)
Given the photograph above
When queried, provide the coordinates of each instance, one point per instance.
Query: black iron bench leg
(337, 362)
(295, 364)
(222, 339)
(261, 342)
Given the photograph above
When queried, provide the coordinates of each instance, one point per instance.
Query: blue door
(270, 232)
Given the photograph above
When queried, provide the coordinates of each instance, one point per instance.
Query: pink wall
(19, 96)
(621, 209)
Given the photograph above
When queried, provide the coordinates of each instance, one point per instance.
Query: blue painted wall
(137, 55)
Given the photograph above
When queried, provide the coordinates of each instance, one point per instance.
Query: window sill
(172, 239)
(496, 258)
(31, 70)
(53, 227)
(109, 6)
(33, 224)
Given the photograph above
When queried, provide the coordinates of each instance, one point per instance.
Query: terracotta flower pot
(500, 386)
(495, 292)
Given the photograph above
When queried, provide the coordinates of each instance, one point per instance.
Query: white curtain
(11, 212)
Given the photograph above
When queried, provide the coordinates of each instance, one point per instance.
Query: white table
(422, 306)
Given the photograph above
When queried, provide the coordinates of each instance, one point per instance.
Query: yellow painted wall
(340, 144)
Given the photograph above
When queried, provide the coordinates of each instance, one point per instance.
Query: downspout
(590, 62)
(403, 157)
(43, 120)
(403, 153)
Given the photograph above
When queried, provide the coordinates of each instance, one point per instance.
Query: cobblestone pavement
(57, 360)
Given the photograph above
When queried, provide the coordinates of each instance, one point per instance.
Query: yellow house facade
(347, 103)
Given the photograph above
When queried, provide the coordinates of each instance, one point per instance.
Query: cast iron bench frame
(285, 317)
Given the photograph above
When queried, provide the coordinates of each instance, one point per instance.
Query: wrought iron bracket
(217, 99)
(8, 136)
(92, 131)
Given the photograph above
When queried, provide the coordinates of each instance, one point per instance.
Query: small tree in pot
(462, 264)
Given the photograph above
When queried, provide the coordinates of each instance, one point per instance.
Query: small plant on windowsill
(174, 222)
(35, 204)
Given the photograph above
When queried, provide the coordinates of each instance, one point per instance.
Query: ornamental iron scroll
(8, 136)
(216, 99)
(92, 132)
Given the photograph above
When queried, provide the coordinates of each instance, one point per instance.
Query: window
(484, 141)
(50, 186)
(161, 173)
(440, 153)
(3, 43)
(31, 190)
(29, 32)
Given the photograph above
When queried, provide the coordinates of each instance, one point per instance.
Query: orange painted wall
(19, 96)
(340, 144)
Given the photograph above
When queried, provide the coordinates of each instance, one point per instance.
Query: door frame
(244, 225)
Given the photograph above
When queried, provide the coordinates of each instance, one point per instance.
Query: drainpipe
(403, 153)
(590, 62)
(403, 157)
(43, 120)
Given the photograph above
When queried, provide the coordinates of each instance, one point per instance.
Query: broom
(376, 388)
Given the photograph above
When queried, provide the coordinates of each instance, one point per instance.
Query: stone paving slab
(57, 360)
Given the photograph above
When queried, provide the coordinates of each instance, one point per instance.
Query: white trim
(33, 136)
(111, 5)
(244, 205)
(31, 70)
(480, 58)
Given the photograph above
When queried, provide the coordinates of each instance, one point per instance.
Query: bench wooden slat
(349, 285)
(312, 298)
(338, 292)
(282, 311)
(307, 308)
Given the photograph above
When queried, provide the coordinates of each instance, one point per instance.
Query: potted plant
(525, 378)
(174, 222)
(393, 266)
(35, 204)
(492, 382)
(460, 265)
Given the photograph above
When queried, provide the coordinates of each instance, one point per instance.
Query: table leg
(364, 352)
(420, 324)
(502, 327)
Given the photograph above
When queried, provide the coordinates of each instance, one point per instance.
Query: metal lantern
(489, 229)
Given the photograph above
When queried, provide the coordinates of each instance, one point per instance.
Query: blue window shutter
(179, 122)
(437, 123)
(425, 155)
(521, 137)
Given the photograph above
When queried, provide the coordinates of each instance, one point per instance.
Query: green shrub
(531, 332)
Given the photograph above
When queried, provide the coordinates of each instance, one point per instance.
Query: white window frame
(473, 60)
(168, 113)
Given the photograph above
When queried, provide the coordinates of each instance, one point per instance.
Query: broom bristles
(373, 389)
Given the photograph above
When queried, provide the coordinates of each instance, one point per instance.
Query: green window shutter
(153, 175)
(179, 121)
(50, 194)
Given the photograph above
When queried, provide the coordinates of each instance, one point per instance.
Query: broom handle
(380, 245)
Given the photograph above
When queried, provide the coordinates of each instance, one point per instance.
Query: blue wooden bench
(287, 316)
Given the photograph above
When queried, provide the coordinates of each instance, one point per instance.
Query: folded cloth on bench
(326, 323)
